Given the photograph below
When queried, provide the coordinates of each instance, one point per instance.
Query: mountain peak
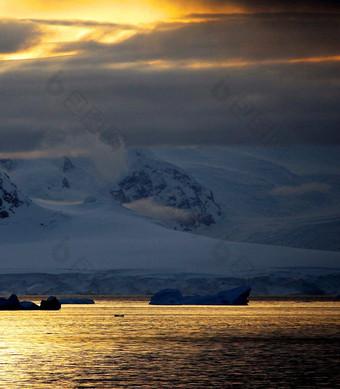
(8, 164)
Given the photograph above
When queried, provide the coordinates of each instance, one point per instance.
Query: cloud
(301, 189)
(109, 158)
(110, 162)
(164, 213)
(80, 23)
(18, 35)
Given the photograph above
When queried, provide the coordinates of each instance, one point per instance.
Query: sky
(198, 72)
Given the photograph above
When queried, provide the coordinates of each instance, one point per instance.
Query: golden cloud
(126, 11)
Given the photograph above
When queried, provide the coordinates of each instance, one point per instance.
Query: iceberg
(28, 305)
(235, 296)
(13, 304)
(51, 304)
(76, 301)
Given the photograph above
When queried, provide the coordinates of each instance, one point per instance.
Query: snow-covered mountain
(170, 214)
(149, 186)
(55, 179)
(223, 193)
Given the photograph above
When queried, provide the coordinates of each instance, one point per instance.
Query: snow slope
(292, 201)
(105, 235)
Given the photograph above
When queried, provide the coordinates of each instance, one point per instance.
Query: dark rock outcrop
(67, 165)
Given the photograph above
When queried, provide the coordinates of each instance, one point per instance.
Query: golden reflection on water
(260, 345)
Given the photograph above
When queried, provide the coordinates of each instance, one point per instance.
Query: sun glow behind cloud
(72, 13)
(51, 37)
(123, 11)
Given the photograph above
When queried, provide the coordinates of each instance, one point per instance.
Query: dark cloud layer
(18, 35)
(264, 37)
(286, 5)
(173, 107)
(267, 5)
(256, 38)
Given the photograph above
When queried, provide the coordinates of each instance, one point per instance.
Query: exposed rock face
(168, 186)
(236, 296)
(67, 165)
(10, 197)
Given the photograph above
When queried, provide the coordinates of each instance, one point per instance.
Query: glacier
(236, 296)
(284, 281)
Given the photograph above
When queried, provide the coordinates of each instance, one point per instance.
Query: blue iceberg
(236, 296)
(73, 300)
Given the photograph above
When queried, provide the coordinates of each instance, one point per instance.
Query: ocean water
(267, 344)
